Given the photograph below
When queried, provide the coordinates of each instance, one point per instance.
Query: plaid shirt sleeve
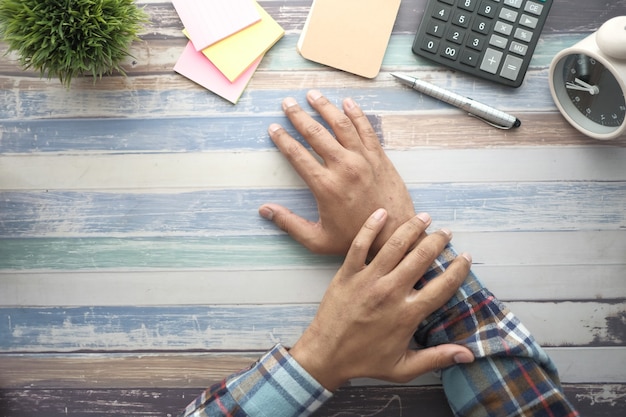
(511, 376)
(275, 386)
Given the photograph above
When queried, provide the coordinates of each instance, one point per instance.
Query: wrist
(310, 356)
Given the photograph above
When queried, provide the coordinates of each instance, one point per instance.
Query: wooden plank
(255, 327)
(194, 171)
(188, 370)
(590, 400)
(398, 130)
(294, 285)
(279, 251)
(464, 207)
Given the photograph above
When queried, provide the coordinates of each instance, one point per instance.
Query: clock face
(593, 90)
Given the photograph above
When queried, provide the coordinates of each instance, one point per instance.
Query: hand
(355, 178)
(369, 313)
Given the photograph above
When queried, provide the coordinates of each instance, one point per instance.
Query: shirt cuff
(277, 386)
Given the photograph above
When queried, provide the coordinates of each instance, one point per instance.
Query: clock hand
(582, 86)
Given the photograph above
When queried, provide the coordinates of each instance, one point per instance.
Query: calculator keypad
(492, 39)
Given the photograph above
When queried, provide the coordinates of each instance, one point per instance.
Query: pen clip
(488, 122)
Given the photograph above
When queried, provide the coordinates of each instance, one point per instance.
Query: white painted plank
(298, 285)
(271, 170)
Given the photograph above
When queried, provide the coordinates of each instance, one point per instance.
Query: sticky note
(209, 21)
(236, 53)
(351, 35)
(195, 66)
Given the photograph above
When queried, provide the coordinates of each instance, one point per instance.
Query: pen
(486, 113)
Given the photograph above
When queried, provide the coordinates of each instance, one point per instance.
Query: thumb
(438, 357)
(300, 229)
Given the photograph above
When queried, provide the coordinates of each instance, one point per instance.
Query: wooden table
(135, 271)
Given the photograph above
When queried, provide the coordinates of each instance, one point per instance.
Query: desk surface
(135, 270)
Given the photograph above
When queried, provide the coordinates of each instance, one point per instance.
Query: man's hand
(369, 313)
(355, 178)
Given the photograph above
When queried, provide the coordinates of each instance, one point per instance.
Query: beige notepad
(351, 35)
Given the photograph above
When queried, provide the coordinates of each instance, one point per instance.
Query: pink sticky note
(195, 66)
(209, 21)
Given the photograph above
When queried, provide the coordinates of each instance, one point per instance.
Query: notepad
(210, 21)
(195, 66)
(351, 35)
(233, 55)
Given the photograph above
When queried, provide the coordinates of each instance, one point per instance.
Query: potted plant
(68, 38)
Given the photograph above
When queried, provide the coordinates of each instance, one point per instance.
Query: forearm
(275, 386)
(512, 374)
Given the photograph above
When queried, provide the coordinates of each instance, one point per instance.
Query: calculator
(491, 39)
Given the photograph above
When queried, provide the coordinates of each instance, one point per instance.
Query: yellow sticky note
(233, 55)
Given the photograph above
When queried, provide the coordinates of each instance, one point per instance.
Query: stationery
(233, 55)
(195, 66)
(209, 21)
(351, 35)
(487, 114)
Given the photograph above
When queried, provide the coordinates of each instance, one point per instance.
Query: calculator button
(435, 28)
(487, 8)
(518, 48)
(455, 35)
(481, 26)
(523, 35)
(450, 52)
(513, 3)
(475, 42)
(430, 45)
(470, 58)
(450, 2)
(534, 8)
(491, 61)
(498, 41)
(442, 13)
(529, 21)
(508, 15)
(468, 5)
(503, 28)
(461, 19)
(511, 67)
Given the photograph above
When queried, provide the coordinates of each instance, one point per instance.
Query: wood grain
(135, 270)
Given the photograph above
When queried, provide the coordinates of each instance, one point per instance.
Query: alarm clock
(588, 82)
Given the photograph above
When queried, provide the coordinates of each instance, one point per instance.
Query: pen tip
(517, 123)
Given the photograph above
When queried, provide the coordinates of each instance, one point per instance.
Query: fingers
(439, 290)
(320, 139)
(366, 132)
(419, 362)
(400, 242)
(342, 125)
(305, 232)
(359, 249)
(298, 156)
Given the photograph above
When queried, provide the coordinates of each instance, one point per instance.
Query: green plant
(67, 38)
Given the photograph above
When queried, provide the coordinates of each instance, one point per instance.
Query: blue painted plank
(553, 206)
(151, 328)
(189, 134)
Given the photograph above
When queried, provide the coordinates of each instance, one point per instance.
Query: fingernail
(463, 358)
(425, 217)
(378, 214)
(289, 102)
(446, 232)
(266, 213)
(350, 104)
(314, 95)
(274, 127)
(467, 256)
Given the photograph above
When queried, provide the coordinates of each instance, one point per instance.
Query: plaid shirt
(511, 376)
